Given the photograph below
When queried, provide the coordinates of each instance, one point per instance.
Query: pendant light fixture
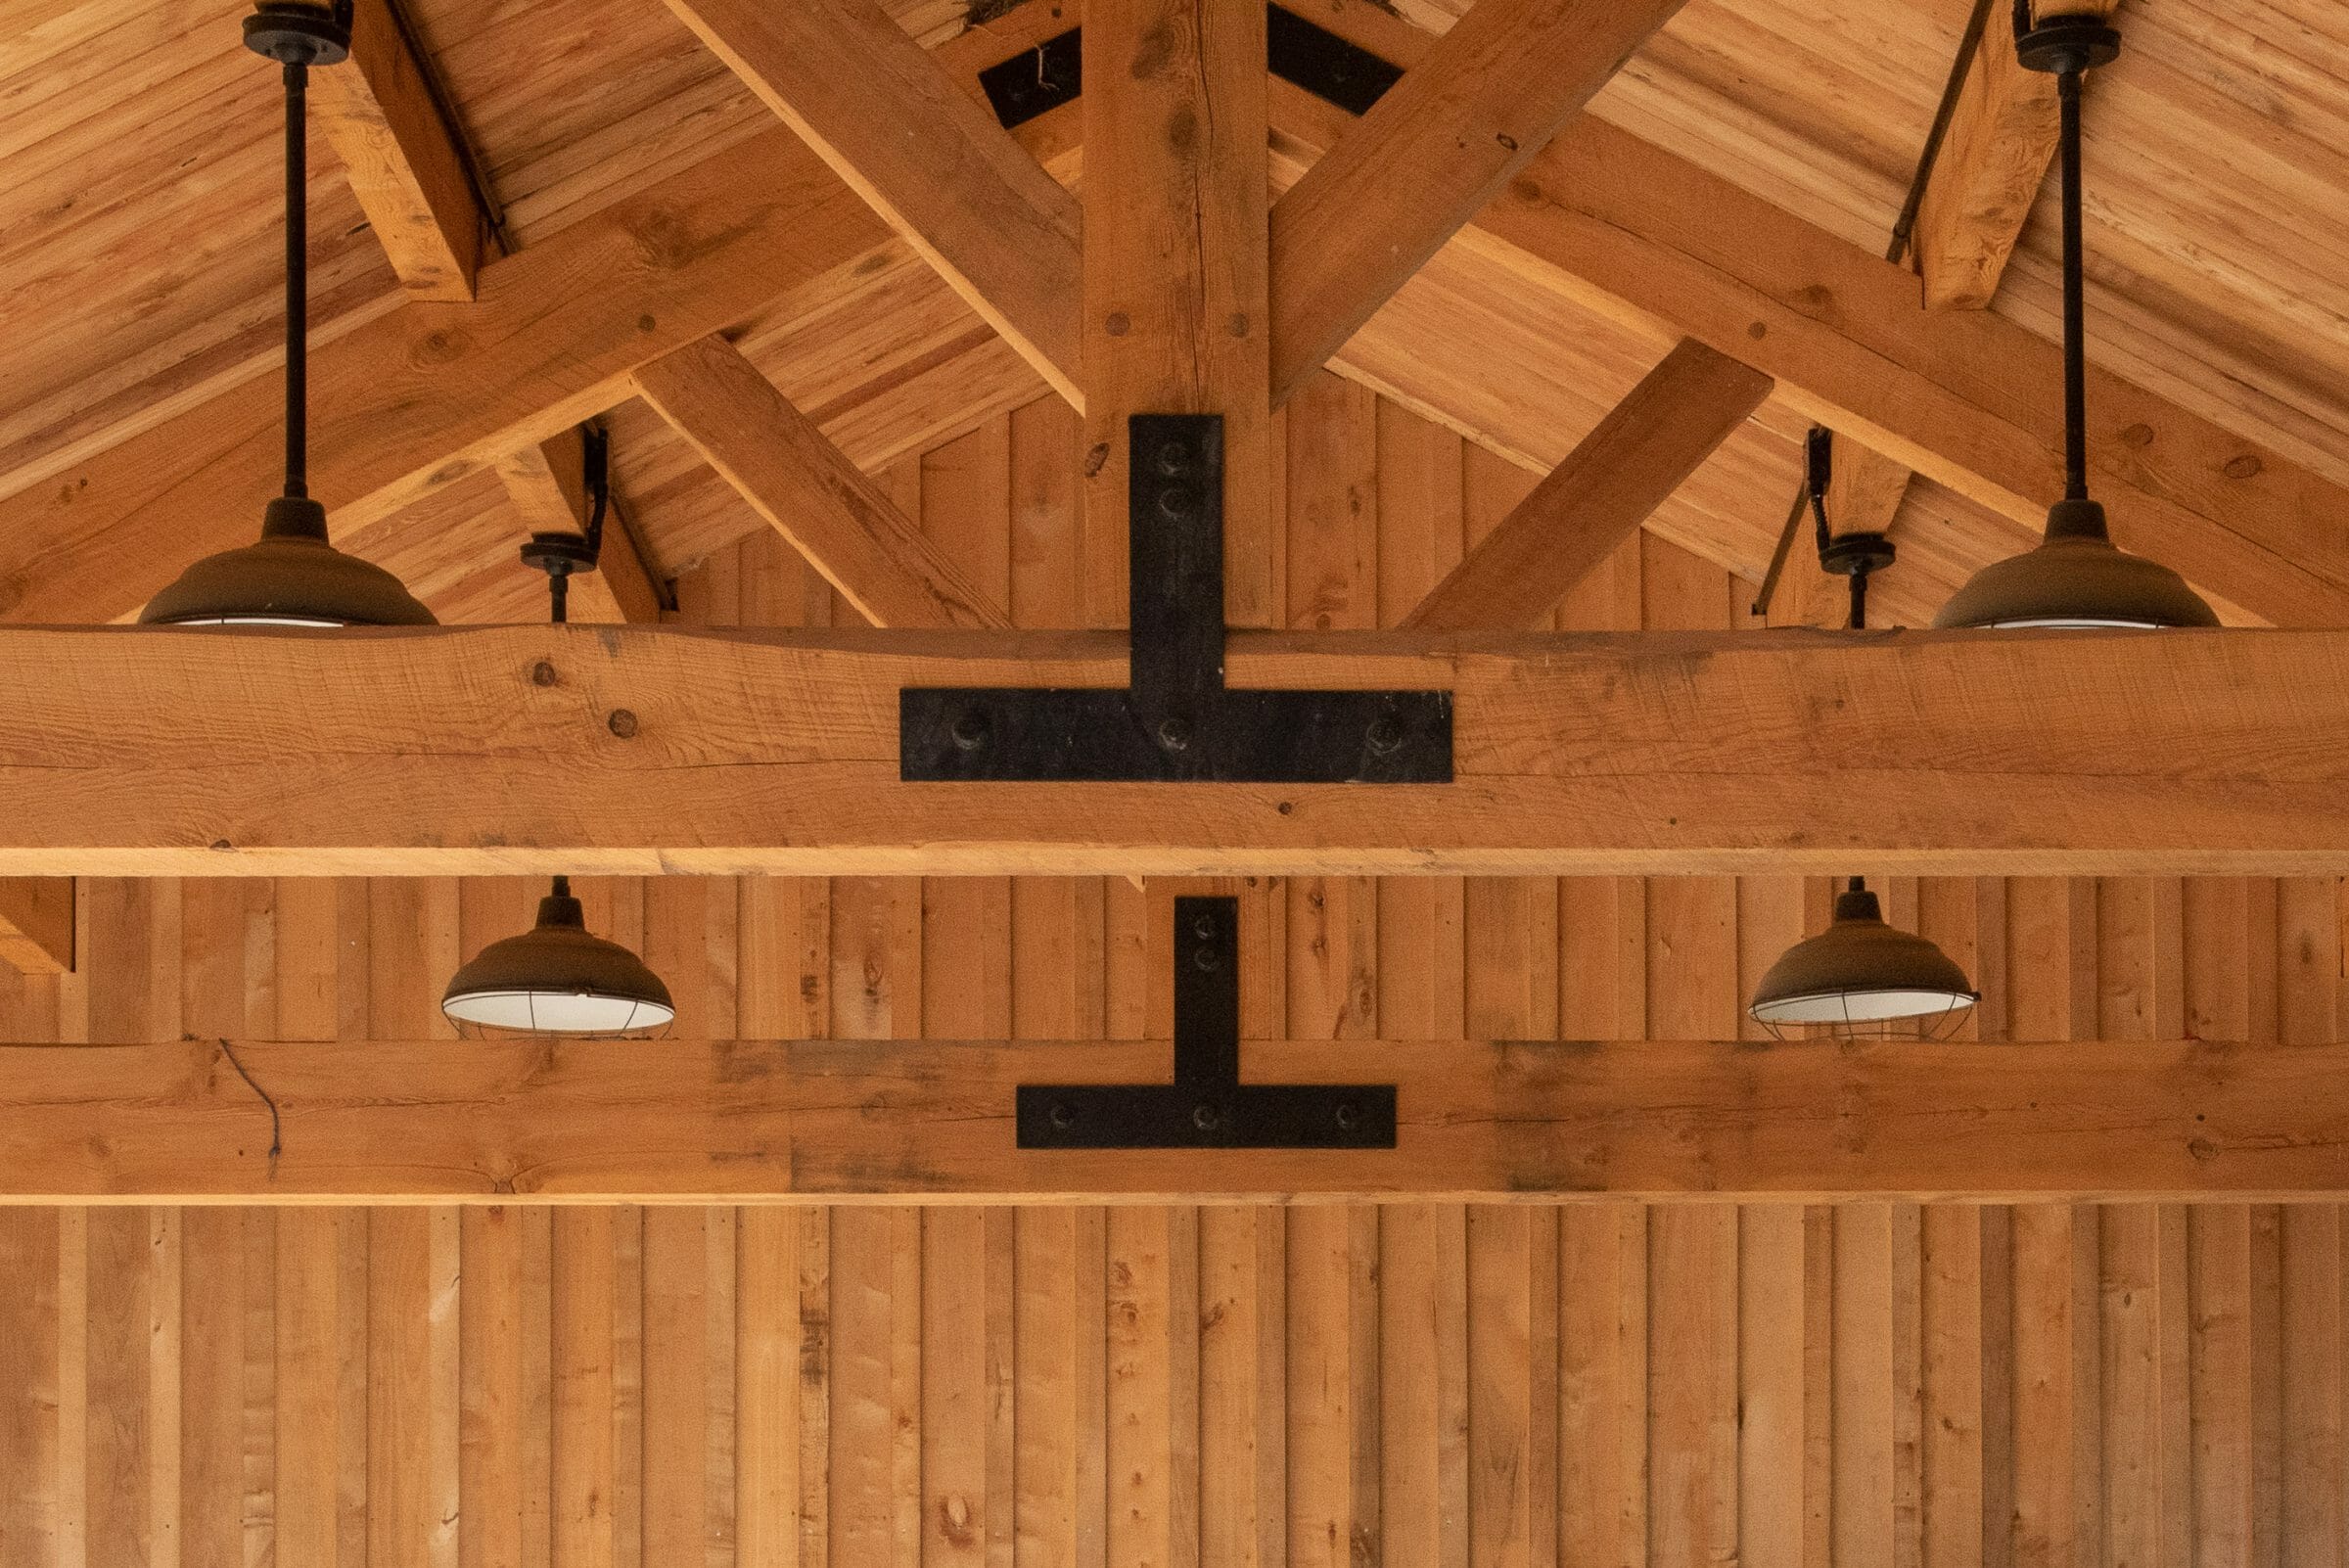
(292, 576)
(1861, 978)
(2077, 576)
(557, 978)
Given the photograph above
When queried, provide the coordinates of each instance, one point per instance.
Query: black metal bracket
(1177, 721)
(1207, 1106)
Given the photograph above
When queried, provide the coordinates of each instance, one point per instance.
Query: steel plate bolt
(1174, 734)
(1204, 928)
(1348, 1116)
(1206, 1117)
(1385, 736)
(1064, 1114)
(970, 729)
(1207, 958)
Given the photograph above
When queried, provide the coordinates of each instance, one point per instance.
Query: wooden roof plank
(805, 486)
(1477, 1120)
(1600, 496)
(1466, 115)
(532, 749)
(890, 121)
(1602, 220)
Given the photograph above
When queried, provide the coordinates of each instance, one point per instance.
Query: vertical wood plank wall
(1583, 1386)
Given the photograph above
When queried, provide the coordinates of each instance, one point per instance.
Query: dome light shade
(2077, 577)
(291, 576)
(1862, 977)
(558, 979)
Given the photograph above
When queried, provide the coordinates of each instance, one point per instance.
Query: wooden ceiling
(140, 218)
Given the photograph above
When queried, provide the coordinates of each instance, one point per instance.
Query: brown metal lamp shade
(2077, 577)
(1861, 976)
(558, 979)
(291, 576)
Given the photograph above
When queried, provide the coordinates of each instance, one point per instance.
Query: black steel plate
(1168, 1116)
(964, 734)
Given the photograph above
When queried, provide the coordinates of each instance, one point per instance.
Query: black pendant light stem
(2075, 296)
(297, 281)
(562, 886)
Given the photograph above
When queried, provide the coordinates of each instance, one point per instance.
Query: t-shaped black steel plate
(1177, 721)
(1207, 1106)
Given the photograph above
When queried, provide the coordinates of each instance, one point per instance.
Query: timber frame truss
(1174, 286)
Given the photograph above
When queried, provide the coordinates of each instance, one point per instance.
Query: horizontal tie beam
(747, 1121)
(512, 750)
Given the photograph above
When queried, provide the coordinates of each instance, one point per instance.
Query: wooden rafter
(404, 164)
(1864, 490)
(539, 748)
(429, 393)
(889, 120)
(808, 490)
(1600, 496)
(2000, 141)
(1477, 1120)
(1467, 115)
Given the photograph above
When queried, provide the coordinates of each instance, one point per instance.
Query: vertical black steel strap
(1206, 994)
(1174, 489)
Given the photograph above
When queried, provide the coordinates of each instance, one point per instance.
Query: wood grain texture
(929, 159)
(36, 924)
(500, 751)
(1176, 319)
(808, 490)
(1600, 496)
(418, 397)
(1470, 112)
(1992, 160)
(405, 167)
(1612, 224)
(1478, 1119)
